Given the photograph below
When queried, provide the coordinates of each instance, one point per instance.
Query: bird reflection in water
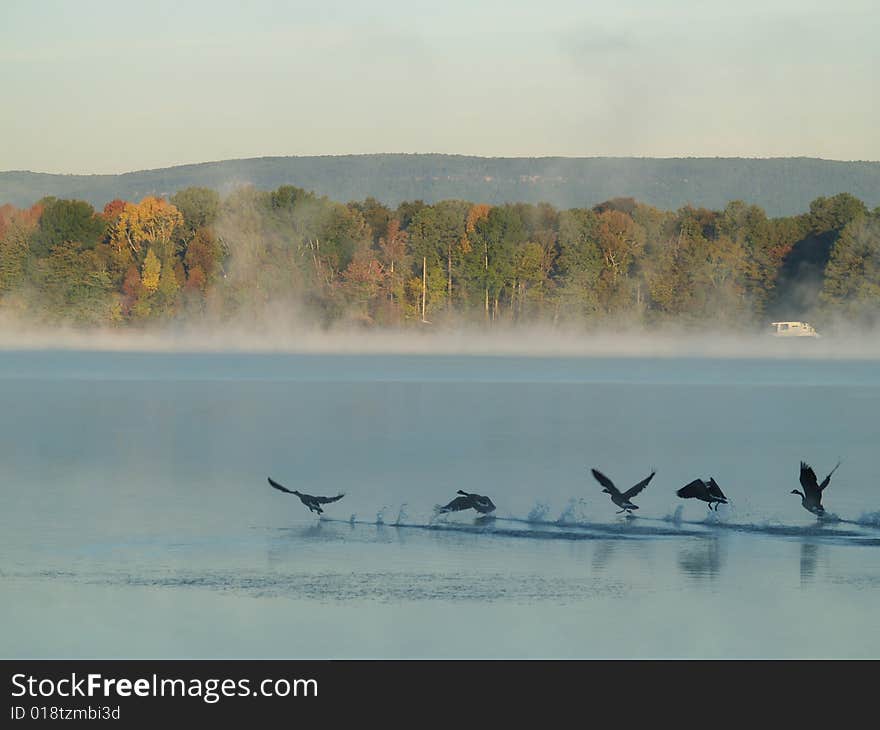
(702, 559)
(603, 552)
(809, 558)
(286, 542)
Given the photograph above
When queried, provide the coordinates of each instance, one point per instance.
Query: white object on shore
(792, 329)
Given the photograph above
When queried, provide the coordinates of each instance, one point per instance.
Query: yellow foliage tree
(477, 213)
(148, 224)
(151, 271)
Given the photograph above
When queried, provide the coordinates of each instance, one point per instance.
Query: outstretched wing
(457, 504)
(695, 489)
(633, 491)
(328, 500)
(808, 480)
(827, 480)
(605, 481)
(482, 503)
(714, 489)
(278, 486)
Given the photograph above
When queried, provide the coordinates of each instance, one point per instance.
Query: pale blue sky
(101, 86)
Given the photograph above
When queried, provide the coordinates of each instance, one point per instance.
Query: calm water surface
(136, 520)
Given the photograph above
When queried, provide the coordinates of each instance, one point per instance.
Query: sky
(105, 87)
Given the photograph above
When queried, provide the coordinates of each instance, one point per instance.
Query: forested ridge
(782, 186)
(197, 256)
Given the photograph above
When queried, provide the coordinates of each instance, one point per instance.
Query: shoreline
(528, 342)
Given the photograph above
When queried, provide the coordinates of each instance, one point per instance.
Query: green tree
(66, 221)
(200, 208)
(377, 216)
(74, 286)
(578, 266)
(166, 292)
(498, 236)
(438, 233)
(14, 250)
(851, 287)
(832, 214)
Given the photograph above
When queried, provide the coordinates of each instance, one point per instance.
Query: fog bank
(520, 341)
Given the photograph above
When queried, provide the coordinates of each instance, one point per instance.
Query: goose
(811, 497)
(622, 499)
(705, 491)
(481, 504)
(310, 501)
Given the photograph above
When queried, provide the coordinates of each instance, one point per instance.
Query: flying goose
(707, 492)
(811, 497)
(478, 502)
(313, 503)
(622, 499)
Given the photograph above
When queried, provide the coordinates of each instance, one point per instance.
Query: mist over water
(287, 333)
(137, 518)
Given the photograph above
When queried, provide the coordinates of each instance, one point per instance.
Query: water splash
(717, 516)
(869, 519)
(574, 512)
(401, 515)
(676, 516)
(641, 528)
(771, 521)
(538, 513)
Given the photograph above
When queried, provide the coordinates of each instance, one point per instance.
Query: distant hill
(782, 186)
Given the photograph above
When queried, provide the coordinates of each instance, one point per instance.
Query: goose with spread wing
(622, 499)
(310, 501)
(705, 491)
(811, 497)
(467, 500)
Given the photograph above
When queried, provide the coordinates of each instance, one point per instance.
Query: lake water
(136, 519)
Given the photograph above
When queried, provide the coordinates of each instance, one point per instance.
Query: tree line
(199, 256)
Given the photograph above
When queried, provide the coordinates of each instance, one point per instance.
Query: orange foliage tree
(114, 209)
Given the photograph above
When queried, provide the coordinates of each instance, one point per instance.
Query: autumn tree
(166, 291)
(396, 261)
(6, 213)
(149, 224)
(131, 289)
(203, 255)
(253, 249)
(151, 271)
(113, 210)
(363, 280)
(620, 241)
